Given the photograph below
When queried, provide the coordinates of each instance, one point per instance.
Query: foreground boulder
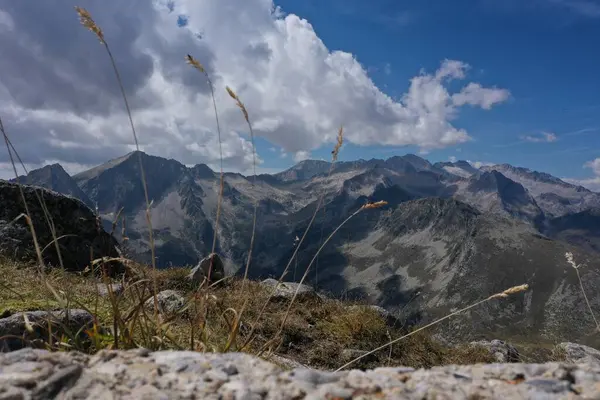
(30, 328)
(579, 353)
(205, 270)
(286, 290)
(503, 352)
(140, 374)
(169, 302)
(74, 222)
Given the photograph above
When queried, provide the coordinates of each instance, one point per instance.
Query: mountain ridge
(448, 236)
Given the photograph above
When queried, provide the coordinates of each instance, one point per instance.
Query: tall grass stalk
(88, 22)
(244, 111)
(572, 263)
(368, 206)
(505, 293)
(36, 245)
(196, 64)
(42, 202)
(334, 156)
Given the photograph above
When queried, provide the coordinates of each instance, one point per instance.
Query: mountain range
(450, 234)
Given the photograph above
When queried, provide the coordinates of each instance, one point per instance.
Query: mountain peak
(54, 177)
(305, 169)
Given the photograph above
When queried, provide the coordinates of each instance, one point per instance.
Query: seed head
(338, 145)
(377, 204)
(238, 103)
(570, 260)
(194, 63)
(231, 93)
(86, 20)
(512, 290)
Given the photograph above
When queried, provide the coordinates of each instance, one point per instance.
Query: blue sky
(545, 53)
(491, 81)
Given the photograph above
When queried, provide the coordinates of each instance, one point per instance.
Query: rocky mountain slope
(554, 196)
(450, 233)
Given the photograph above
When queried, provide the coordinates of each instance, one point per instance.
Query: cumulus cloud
(59, 99)
(594, 165)
(543, 137)
(301, 155)
(590, 183)
(479, 164)
(476, 95)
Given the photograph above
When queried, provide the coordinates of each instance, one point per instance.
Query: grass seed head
(86, 20)
(512, 290)
(338, 145)
(377, 204)
(570, 260)
(194, 63)
(232, 93)
(238, 103)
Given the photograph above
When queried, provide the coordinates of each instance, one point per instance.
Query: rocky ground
(141, 374)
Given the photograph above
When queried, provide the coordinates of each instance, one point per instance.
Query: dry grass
(321, 334)
(572, 263)
(196, 64)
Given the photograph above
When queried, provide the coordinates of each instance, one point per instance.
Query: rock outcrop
(30, 328)
(503, 352)
(210, 267)
(286, 290)
(75, 225)
(169, 302)
(579, 353)
(141, 374)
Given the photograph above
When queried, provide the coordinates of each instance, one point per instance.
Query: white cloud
(57, 78)
(479, 164)
(543, 137)
(387, 69)
(301, 156)
(594, 165)
(452, 159)
(590, 183)
(476, 95)
(6, 22)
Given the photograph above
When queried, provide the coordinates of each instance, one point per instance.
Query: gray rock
(14, 334)
(137, 374)
(204, 268)
(72, 219)
(103, 289)
(502, 351)
(286, 290)
(579, 353)
(169, 302)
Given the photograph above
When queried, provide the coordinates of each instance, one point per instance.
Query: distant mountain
(493, 192)
(581, 229)
(459, 168)
(450, 234)
(427, 257)
(555, 196)
(55, 178)
(304, 170)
